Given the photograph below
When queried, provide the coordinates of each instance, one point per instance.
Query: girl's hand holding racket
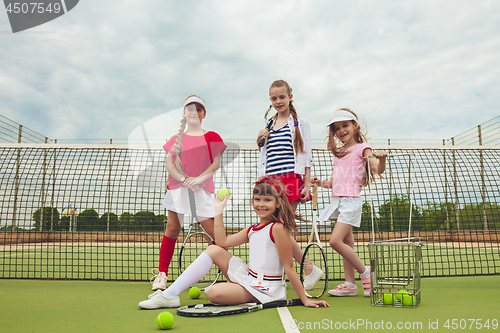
(316, 304)
(314, 180)
(192, 182)
(264, 132)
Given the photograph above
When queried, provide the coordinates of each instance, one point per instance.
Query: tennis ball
(400, 294)
(388, 299)
(194, 292)
(409, 300)
(222, 192)
(165, 320)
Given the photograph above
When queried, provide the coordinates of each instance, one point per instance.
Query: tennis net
(76, 211)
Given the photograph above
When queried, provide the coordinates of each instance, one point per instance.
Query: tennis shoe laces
(343, 290)
(311, 279)
(157, 301)
(159, 280)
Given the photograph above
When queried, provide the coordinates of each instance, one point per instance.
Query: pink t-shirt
(197, 154)
(349, 173)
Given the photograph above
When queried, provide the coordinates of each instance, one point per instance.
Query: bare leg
(297, 252)
(337, 238)
(208, 225)
(227, 292)
(349, 270)
(173, 227)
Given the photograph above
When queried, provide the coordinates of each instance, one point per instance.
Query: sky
(409, 69)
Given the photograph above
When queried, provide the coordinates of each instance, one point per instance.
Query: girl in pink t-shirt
(348, 176)
(193, 156)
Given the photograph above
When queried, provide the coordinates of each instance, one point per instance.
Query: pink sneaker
(367, 290)
(343, 290)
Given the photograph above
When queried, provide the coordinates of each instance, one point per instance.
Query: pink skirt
(293, 184)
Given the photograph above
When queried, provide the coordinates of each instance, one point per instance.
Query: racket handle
(276, 304)
(315, 196)
(262, 141)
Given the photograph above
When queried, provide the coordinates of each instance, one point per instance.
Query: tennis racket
(262, 140)
(211, 310)
(194, 244)
(314, 255)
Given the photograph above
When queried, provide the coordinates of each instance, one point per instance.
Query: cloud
(410, 69)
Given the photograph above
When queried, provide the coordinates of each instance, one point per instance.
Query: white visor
(195, 99)
(341, 115)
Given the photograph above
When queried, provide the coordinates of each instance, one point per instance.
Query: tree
(147, 221)
(472, 217)
(48, 218)
(113, 221)
(126, 221)
(439, 216)
(88, 220)
(397, 218)
(366, 218)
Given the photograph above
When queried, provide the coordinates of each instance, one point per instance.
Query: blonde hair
(284, 212)
(298, 142)
(337, 147)
(177, 148)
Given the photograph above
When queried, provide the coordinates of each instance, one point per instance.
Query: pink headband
(276, 186)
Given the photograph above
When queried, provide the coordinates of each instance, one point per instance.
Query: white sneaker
(160, 280)
(311, 279)
(157, 301)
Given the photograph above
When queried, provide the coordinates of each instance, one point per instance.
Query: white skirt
(178, 201)
(263, 290)
(343, 209)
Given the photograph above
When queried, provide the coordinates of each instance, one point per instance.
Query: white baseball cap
(194, 99)
(341, 115)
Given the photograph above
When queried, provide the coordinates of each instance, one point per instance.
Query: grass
(104, 306)
(134, 263)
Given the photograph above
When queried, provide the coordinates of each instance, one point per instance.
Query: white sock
(366, 273)
(198, 269)
(350, 285)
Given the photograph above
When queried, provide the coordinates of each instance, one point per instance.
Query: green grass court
(114, 262)
(104, 306)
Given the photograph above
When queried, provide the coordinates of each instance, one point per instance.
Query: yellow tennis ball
(388, 299)
(194, 292)
(409, 300)
(223, 192)
(165, 320)
(400, 294)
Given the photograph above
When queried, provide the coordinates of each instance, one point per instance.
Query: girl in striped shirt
(287, 156)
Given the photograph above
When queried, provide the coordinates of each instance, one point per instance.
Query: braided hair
(177, 148)
(298, 142)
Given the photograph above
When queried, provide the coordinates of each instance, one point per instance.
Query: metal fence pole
(483, 187)
(16, 180)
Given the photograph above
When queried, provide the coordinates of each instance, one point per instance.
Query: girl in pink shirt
(348, 176)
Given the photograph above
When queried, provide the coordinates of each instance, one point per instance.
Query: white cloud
(410, 69)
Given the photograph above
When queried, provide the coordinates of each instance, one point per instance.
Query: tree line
(89, 220)
(392, 215)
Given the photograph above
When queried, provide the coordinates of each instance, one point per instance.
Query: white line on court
(287, 320)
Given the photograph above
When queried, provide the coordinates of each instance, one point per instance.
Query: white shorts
(343, 209)
(178, 201)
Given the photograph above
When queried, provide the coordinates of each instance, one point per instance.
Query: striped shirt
(280, 159)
